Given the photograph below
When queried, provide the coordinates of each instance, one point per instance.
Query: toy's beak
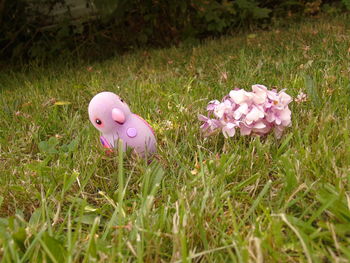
(118, 116)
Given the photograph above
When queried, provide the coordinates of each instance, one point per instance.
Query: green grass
(62, 199)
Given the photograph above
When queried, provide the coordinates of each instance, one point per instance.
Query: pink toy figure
(113, 118)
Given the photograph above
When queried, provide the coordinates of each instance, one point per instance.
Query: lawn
(242, 199)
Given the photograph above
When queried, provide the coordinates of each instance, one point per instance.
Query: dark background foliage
(41, 29)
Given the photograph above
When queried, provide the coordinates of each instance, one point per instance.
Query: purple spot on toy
(131, 132)
(113, 118)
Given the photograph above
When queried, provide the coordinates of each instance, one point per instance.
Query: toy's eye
(121, 100)
(98, 121)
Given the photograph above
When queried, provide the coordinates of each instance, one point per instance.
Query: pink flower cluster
(257, 112)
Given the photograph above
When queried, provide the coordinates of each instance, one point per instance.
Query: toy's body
(135, 133)
(110, 115)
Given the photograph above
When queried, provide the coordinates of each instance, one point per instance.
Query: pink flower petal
(243, 109)
(278, 121)
(245, 130)
(229, 130)
(260, 94)
(254, 115)
(239, 96)
(202, 117)
(278, 131)
(284, 98)
(212, 104)
(272, 95)
(222, 108)
(259, 88)
(259, 125)
(285, 117)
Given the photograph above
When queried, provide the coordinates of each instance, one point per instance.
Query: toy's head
(107, 111)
